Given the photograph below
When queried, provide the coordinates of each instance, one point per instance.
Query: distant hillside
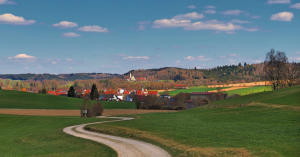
(67, 77)
(219, 74)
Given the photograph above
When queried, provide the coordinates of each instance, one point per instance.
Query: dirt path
(48, 112)
(124, 147)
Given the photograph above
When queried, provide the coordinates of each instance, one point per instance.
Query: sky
(115, 36)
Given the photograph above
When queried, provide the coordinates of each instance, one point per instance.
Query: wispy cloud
(136, 57)
(283, 16)
(65, 24)
(279, 1)
(240, 21)
(296, 6)
(71, 35)
(185, 21)
(232, 12)
(23, 56)
(93, 28)
(8, 18)
(210, 11)
(189, 16)
(197, 58)
(6, 2)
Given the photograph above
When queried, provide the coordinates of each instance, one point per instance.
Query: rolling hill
(263, 124)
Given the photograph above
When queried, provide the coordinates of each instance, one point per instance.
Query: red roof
(153, 92)
(180, 85)
(109, 92)
(141, 78)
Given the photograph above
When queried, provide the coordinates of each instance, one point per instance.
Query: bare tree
(276, 68)
(293, 73)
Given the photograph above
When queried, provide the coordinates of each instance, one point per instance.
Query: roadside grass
(193, 89)
(250, 90)
(220, 130)
(22, 100)
(29, 136)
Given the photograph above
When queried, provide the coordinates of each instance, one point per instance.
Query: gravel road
(124, 147)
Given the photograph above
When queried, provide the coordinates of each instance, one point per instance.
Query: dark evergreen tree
(94, 93)
(71, 92)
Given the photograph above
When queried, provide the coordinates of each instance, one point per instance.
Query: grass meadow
(22, 100)
(225, 128)
(29, 136)
(191, 90)
(250, 90)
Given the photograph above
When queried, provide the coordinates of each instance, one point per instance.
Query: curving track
(124, 147)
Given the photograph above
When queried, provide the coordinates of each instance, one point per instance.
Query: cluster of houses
(110, 94)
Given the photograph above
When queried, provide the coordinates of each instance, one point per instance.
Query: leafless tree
(276, 68)
(293, 73)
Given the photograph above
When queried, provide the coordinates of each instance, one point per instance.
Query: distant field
(193, 89)
(250, 90)
(28, 136)
(22, 100)
(287, 96)
(222, 130)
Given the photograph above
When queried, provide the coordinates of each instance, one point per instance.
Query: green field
(225, 128)
(192, 89)
(28, 136)
(22, 100)
(250, 90)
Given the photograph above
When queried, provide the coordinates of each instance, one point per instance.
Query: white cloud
(165, 23)
(298, 53)
(189, 58)
(213, 25)
(8, 18)
(6, 2)
(23, 56)
(199, 58)
(93, 28)
(283, 16)
(136, 57)
(71, 35)
(189, 16)
(296, 6)
(210, 11)
(65, 24)
(192, 7)
(279, 1)
(232, 12)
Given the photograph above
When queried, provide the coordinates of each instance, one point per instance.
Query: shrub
(43, 91)
(95, 110)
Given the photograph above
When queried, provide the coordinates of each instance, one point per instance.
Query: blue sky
(114, 36)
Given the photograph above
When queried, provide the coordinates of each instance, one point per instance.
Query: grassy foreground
(43, 137)
(222, 130)
(22, 100)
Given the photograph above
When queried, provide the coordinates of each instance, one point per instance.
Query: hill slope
(223, 129)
